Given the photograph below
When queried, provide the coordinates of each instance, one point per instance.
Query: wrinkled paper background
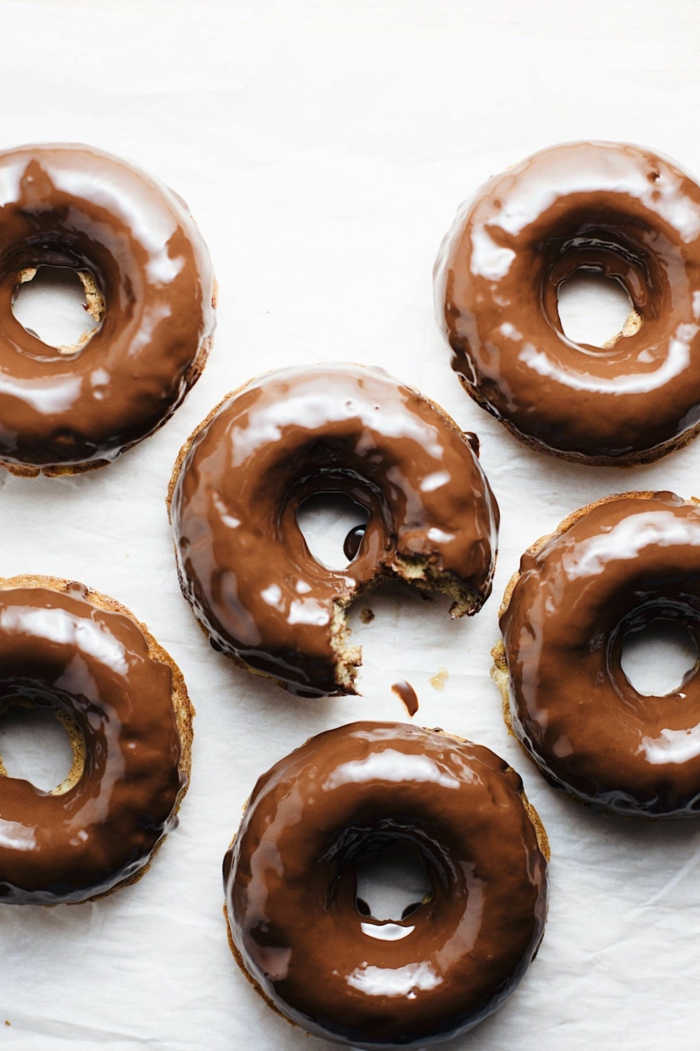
(324, 149)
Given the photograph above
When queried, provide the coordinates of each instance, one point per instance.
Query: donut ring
(243, 563)
(125, 705)
(290, 881)
(148, 279)
(610, 568)
(603, 207)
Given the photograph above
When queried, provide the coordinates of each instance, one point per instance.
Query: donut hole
(40, 745)
(659, 657)
(333, 525)
(59, 305)
(594, 309)
(392, 882)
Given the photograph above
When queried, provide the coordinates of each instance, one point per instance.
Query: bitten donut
(597, 207)
(609, 570)
(242, 560)
(296, 927)
(125, 705)
(148, 280)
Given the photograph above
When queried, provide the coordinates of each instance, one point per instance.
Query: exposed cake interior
(417, 572)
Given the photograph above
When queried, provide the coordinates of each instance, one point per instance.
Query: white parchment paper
(324, 149)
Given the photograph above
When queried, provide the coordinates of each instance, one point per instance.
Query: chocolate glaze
(353, 541)
(75, 206)
(609, 208)
(243, 562)
(291, 886)
(59, 651)
(611, 569)
(407, 695)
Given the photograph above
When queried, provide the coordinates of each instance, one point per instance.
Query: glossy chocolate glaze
(353, 541)
(243, 562)
(291, 886)
(601, 207)
(74, 206)
(59, 651)
(610, 570)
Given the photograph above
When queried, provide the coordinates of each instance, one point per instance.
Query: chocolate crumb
(405, 691)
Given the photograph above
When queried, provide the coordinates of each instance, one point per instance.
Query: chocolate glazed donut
(242, 560)
(125, 705)
(290, 880)
(597, 207)
(148, 279)
(609, 570)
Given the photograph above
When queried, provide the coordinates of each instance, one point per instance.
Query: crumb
(438, 680)
(405, 692)
(366, 615)
(7, 1023)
